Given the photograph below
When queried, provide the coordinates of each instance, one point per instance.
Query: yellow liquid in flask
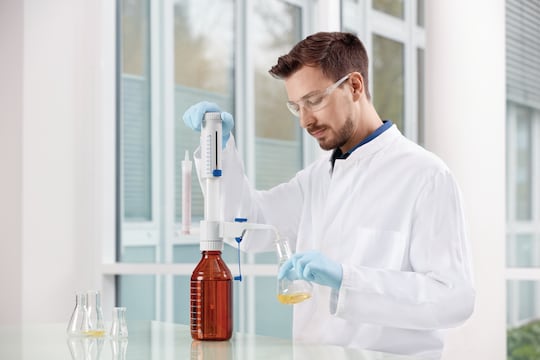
(293, 298)
(95, 333)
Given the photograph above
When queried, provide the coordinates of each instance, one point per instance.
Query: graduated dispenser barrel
(211, 145)
(211, 180)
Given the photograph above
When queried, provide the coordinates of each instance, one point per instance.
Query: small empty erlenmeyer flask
(290, 291)
(78, 323)
(119, 325)
(95, 314)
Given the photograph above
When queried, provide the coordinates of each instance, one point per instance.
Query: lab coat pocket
(376, 248)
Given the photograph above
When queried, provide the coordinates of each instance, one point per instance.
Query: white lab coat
(391, 214)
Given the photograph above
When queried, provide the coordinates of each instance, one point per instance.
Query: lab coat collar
(370, 148)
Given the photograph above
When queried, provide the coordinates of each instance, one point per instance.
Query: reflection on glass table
(157, 341)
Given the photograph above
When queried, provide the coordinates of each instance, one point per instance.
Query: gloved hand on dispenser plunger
(312, 266)
(193, 118)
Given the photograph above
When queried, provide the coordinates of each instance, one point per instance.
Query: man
(377, 225)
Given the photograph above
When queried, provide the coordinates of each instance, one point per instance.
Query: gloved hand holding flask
(312, 266)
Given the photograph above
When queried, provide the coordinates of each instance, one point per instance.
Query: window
(395, 45)
(523, 205)
(277, 27)
(390, 7)
(136, 131)
(173, 54)
(388, 75)
(204, 71)
(523, 178)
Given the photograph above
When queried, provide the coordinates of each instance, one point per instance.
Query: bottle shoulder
(211, 267)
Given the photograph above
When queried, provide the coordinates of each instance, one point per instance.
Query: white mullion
(169, 169)
(241, 104)
(310, 148)
(528, 273)
(240, 77)
(388, 26)
(155, 114)
(350, 15)
(249, 124)
(535, 174)
(106, 149)
(419, 37)
(250, 148)
(536, 166)
(184, 269)
(410, 91)
(327, 15)
(522, 227)
(367, 38)
(155, 106)
(513, 289)
(511, 162)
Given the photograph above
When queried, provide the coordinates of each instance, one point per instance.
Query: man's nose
(306, 117)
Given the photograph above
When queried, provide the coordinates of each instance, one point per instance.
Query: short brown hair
(335, 53)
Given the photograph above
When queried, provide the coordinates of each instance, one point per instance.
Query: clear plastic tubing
(186, 194)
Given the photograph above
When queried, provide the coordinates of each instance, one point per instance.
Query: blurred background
(91, 140)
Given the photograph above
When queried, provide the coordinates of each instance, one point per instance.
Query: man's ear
(357, 84)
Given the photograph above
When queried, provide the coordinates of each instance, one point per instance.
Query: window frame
(367, 22)
(515, 274)
(162, 112)
(162, 232)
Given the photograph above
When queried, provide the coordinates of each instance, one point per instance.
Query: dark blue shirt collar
(337, 154)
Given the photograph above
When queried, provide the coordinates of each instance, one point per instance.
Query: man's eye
(316, 100)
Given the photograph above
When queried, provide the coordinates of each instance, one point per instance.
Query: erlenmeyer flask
(290, 291)
(119, 326)
(95, 314)
(79, 318)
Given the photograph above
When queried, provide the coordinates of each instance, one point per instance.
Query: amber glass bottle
(211, 298)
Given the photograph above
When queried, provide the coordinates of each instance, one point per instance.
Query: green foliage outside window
(523, 342)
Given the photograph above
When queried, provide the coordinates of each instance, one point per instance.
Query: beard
(343, 135)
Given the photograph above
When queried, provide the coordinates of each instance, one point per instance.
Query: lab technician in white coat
(377, 225)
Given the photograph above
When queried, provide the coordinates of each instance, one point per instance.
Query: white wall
(55, 152)
(465, 97)
(11, 113)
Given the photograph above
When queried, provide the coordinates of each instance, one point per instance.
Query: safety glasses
(316, 101)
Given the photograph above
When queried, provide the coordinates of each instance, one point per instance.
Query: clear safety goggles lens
(316, 101)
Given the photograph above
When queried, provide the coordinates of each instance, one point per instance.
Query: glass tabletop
(161, 341)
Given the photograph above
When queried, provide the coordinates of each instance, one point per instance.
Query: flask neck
(283, 250)
(80, 299)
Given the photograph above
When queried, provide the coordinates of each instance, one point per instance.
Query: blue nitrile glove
(312, 266)
(193, 118)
